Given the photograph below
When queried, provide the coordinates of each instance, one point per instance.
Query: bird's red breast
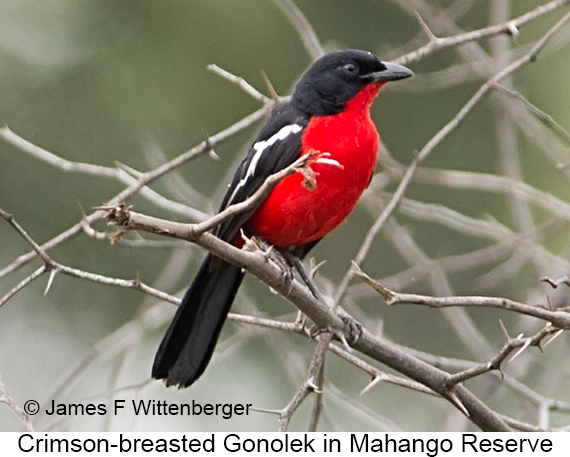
(294, 214)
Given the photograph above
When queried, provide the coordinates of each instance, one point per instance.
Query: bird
(328, 113)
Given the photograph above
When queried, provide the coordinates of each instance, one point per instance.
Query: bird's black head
(337, 77)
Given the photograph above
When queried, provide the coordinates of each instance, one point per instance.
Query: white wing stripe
(259, 148)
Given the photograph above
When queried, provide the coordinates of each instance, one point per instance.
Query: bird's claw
(275, 256)
(349, 334)
(288, 278)
(352, 329)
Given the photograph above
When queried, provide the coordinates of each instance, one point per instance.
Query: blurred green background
(105, 81)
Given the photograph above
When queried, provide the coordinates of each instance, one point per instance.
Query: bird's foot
(352, 330)
(277, 257)
(294, 261)
(349, 334)
(287, 261)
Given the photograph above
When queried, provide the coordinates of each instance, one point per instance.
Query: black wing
(189, 342)
(277, 146)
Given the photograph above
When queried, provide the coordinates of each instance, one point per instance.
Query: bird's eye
(350, 68)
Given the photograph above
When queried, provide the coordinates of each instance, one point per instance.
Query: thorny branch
(256, 263)
(434, 141)
(311, 385)
(7, 399)
(509, 28)
(425, 377)
(560, 319)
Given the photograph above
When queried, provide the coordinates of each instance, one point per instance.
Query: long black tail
(191, 338)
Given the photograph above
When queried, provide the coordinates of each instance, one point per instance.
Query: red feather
(293, 214)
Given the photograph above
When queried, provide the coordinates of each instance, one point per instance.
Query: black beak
(392, 72)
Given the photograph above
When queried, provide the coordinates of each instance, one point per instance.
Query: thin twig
(509, 27)
(543, 117)
(242, 83)
(14, 406)
(559, 319)
(140, 183)
(434, 381)
(519, 342)
(310, 385)
(433, 142)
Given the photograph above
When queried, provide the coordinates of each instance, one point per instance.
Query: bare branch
(519, 342)
(491, 183)
(119, 214)
(498, 253)
(546, 119)
(18, 287)
(509, 27)
(556, 282)
(433, 142)
(256, 263)
(139, 184)
(13, 405)
(51, 266)
(378, 375)
(559, 319)
(310, 385)
(242, 83)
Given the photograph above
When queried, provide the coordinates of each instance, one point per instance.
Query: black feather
(191, 338)
(274, 158)
(323, 90)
